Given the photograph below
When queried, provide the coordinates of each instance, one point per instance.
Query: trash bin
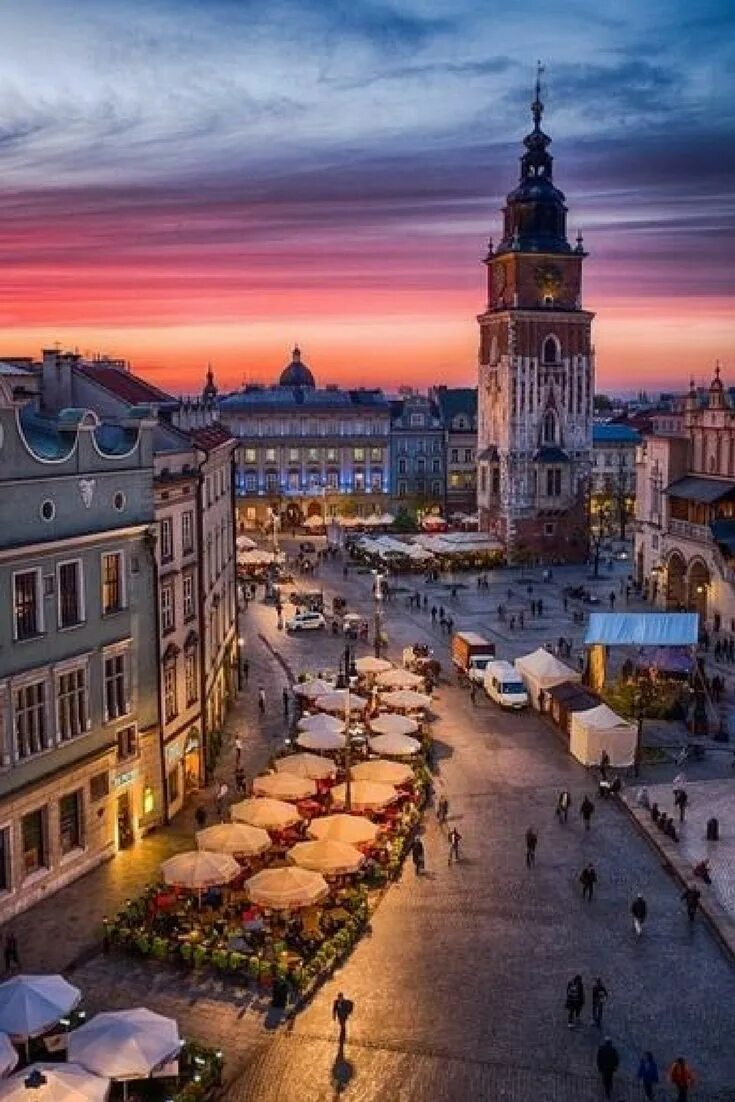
(713, 829)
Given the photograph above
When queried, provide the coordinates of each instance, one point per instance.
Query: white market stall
(542, 670)
(601, 730)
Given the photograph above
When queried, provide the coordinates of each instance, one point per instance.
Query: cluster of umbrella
(122, 1045)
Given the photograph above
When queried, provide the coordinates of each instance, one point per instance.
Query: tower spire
(537, 107)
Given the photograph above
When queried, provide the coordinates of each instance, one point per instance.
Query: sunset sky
(189, 181)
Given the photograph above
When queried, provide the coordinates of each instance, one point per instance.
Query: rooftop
(610, 432)
(126, 386)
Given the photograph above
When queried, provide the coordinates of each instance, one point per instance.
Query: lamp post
(378, 595)
(275, 521)
(348, 675)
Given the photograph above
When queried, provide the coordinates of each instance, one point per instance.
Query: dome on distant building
(296, 373)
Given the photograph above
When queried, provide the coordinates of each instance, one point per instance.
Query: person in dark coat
(681, 799)
(681, 1077)
(639, 910)
(587, 810)
(574, 1001)
(588, 879)
(599, 998)
(691, 897)
(608, 1061)
(531, 843)
(341, 1010)
(648, 1073)
(417, 855)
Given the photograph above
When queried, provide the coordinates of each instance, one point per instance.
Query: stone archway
(698, 588)
(676, 569)
(314, 509)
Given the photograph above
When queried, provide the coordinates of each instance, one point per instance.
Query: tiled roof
(126, 386)
(611, 433)
(285, 398)
(210, 437)
(457, 399)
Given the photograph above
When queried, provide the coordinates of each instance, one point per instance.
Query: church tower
(536, 372)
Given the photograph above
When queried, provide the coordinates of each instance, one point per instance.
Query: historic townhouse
(81, 770)
(417, 455)
(458, 410)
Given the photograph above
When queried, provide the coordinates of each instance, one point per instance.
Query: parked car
(306, 621)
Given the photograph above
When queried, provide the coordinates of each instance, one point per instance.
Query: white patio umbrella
(314, 521)
(283, 786)
(199, 869)
(328, 857)
(369, 664)
(266, 813)
(46, 1082)
(244, 543)
(355, 830)
(387, 518)
(406, 698)
(390, 724)
(319, 722)
(395, 746)
(307, 765)
(313, 688)
(286, 889)
(125, 1044)
(29, 1005)
(337, 701)
(364, 795)
(235, 838)
(383, 772)
(400, 679)
(8, 1054)
(329, 741)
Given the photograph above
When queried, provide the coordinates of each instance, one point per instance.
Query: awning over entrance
(643, 629)
(703, 490)
(723, 532)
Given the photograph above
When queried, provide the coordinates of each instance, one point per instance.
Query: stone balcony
(683, 529)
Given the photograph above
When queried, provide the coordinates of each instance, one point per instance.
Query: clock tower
(536, 372)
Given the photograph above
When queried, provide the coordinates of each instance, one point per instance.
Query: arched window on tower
(551, 350)
(494, 349)
(548, 429)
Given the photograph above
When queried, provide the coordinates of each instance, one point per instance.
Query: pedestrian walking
(608, 1061)
(279, 622)
(442, 810)
(11, 951)
(587, 810)
(599, 998)
(246, 669)
(612, 600)
(563, 804)
(639, 911)
(240, 780)
(681, 1076)
(473, 691)
(238, 750)
(539, 607)
(681, 799)
(588, 879)
(531, 843)
(220, 798)
(200, 817)
(648, 1073)
(261, 700)
(691, 897)
(574, 1001)
(604, 764)
(454, 839)
(417, 855)
(433, 615)
(285, 703)
(520, 620)
(341, 1010)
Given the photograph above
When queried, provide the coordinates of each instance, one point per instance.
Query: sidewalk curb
(717, 918)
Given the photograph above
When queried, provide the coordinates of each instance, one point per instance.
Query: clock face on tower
(499, 279)
(548, 279)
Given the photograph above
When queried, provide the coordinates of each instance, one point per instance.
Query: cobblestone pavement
(459, 989)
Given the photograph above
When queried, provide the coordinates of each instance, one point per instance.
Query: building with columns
(536, 372)
(305, 450)
(685, 508)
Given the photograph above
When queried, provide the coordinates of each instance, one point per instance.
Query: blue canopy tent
(638, 629)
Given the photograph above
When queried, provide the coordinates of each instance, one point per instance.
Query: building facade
(80, 750)
(307, 451)
(458, 411)
(685, 509)
(418, 473)
(536, 373)
(613, 476)
(197, 641)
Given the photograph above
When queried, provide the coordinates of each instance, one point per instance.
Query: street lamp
(350, 675)
(275, 521)
(378, 595)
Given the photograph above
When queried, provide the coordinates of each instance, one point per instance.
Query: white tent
(125, 1044)
(541, 670)
(29, 1005)
(55, 1083)
(598, 730)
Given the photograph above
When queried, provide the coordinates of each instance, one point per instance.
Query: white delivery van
(503, 685)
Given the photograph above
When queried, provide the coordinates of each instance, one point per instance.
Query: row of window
(419, 465)
(419, 486)
(217, 485)
(171, 683)
(469, 455)
(310, 428)
(30, 587)
(167, 546)
(311, 455)
(167, 598)
(47, 712)
(552, 482)
(35, 842)
(220, 550)
(249, 482)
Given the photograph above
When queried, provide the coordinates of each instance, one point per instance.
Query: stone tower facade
(536, 373)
